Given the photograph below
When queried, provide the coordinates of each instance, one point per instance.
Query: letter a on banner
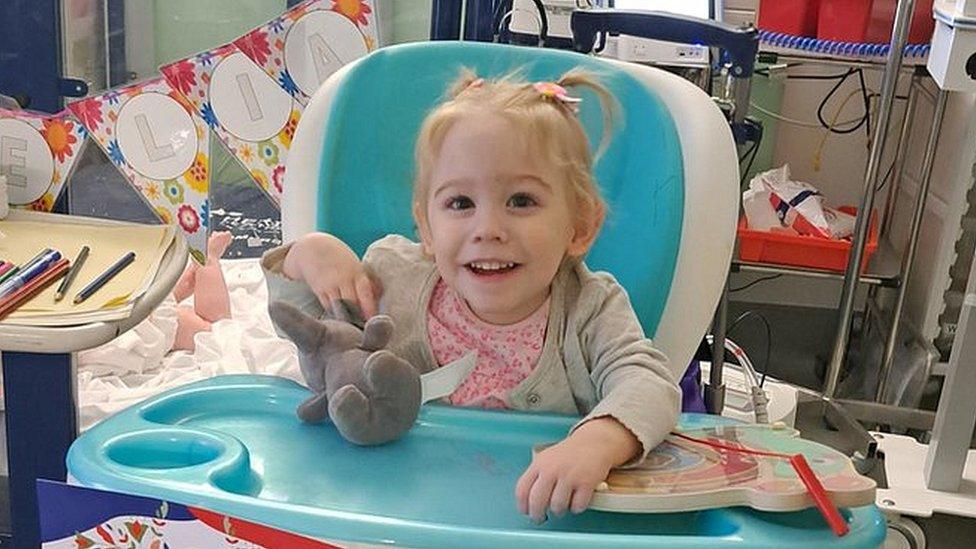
(311, 41)
(153, 137)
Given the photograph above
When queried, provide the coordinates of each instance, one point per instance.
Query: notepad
(115, 300)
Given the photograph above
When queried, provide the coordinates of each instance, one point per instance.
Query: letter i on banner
(37, 153)
(311, 41)
(151, 134)
(247, 110)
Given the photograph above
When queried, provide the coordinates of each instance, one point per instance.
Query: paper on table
(107, 243)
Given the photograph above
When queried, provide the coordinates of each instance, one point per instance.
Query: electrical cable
(818, 155)
(769, 339)
(884, 180)
(754, 282)
(752, 158)
(749, 376)
(831, 127)
(867, 104)
(752, 152)
(795, 122)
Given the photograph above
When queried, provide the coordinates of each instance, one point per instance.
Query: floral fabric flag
(244, 106)
(37, 153)
(151, 134)
(311, 41)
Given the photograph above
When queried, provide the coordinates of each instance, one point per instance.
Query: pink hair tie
(476, 83)
(554, 91)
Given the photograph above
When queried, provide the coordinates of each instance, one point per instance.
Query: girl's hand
(332, 271)
(564, 476)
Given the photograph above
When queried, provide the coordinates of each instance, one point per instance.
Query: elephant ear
(377, 333)
(308, 333)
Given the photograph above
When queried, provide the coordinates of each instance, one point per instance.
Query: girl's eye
(459, 203)
(521, 201)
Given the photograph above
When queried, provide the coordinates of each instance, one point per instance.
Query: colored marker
(37, 257)
(34, 267)
(23, 294)
(16, 269)
(72, 273)
(103, 278)
(9, 273)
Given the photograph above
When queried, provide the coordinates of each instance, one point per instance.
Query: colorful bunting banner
(247, 110)
(311, 41)
(149, 131)
(37, 154)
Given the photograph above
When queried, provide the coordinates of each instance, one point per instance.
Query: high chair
(234, 445)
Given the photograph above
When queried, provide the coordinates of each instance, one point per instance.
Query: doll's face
(498, 222)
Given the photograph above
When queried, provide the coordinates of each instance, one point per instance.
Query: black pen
(72, 273)
(103, 278)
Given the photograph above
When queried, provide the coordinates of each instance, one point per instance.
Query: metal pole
(897, 173)
(897, 170)
(909, 257)
(889, 84)
(715, 390)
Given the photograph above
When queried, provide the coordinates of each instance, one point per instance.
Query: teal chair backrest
(365, 180)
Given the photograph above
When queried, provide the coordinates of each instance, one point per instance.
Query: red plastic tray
(802, 251)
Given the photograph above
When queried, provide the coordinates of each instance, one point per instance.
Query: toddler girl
(506, 207)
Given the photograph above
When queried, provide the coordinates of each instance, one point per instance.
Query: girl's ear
(587, 227)
(423, 229)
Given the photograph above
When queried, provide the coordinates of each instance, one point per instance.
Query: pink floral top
(506, 354)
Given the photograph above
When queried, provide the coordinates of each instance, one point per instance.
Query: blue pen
(29, 271)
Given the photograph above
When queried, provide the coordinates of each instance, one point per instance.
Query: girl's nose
(490, 226)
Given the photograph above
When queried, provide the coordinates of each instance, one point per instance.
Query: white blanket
(138, 364)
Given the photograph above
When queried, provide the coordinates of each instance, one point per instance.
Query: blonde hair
(549, 127)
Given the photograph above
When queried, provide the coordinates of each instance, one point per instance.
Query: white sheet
(136, 365)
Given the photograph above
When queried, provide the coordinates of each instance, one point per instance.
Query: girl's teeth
(491, 266)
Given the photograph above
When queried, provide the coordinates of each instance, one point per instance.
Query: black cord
(769, 339)
(745, 172)
(752, 152)
(818, 76)
(765, 72)
(884, 180)
(748, 151)
(833, 90)
(867, 103)
(754, 282)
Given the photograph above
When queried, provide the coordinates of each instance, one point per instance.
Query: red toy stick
(803, 470)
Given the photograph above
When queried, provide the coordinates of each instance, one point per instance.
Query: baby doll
(211, 301)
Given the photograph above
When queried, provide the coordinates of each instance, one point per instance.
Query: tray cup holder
(158, 450)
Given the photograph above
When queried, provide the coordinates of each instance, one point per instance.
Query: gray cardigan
(595, 359)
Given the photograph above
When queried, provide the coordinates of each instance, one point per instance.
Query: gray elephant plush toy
(371, 395)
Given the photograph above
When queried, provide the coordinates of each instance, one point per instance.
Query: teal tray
(234, 445)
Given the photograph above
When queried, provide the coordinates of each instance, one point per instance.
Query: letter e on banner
(26, 161)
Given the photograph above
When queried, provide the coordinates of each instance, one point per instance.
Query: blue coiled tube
(836, 47)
